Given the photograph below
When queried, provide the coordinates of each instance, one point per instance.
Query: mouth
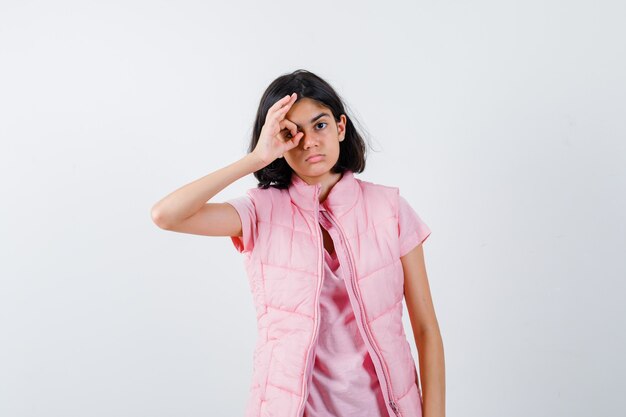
(315, 158)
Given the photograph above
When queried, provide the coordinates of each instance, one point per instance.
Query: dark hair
(352, 151)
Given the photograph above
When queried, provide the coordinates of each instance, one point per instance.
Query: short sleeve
(246, 210)
(412, 231)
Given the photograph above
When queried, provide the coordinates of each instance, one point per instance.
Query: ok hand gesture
(272, 144)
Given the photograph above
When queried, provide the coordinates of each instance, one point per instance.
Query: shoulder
(269, 193)
(380, 198)
(267, 199)
(375, 190)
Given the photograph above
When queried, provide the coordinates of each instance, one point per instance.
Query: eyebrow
(319, 116)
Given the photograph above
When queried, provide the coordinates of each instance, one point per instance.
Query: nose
(308, 140)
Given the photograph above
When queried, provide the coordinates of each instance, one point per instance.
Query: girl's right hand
(272, 142)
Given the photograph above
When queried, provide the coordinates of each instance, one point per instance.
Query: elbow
(159, 218)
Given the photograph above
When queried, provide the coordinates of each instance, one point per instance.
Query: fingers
(285, 101)
(276, 116)
(281, 107)
(286, 123)
(281, 102)
(292, 143)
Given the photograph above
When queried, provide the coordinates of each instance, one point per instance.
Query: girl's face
(321, 135)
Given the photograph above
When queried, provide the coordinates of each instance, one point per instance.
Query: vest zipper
(392, 403)
(320, 267)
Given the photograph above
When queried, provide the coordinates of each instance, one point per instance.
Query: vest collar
(341, 198)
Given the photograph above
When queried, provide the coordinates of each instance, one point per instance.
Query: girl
(329, 259)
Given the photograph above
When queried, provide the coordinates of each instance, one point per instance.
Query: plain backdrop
(502, 122)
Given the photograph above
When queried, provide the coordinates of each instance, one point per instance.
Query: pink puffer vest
(285, 267)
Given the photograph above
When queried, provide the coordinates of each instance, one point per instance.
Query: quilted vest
(285, 268)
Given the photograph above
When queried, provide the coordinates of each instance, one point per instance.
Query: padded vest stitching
(285, 267)
(376, 270)
(374, 226)
(384, 312)
(284, 389)
(289, 311)
(407, 391)
(285, 226)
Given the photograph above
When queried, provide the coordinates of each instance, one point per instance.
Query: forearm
(188, 199)
(432, 372)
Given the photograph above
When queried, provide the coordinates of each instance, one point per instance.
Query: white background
(502, 122)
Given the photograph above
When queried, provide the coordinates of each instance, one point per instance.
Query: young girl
(329, 259)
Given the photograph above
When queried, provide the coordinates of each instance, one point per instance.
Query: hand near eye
(272, 143)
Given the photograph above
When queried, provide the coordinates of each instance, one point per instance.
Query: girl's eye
(288, 134)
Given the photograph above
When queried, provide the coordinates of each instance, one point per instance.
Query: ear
(341, 126)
